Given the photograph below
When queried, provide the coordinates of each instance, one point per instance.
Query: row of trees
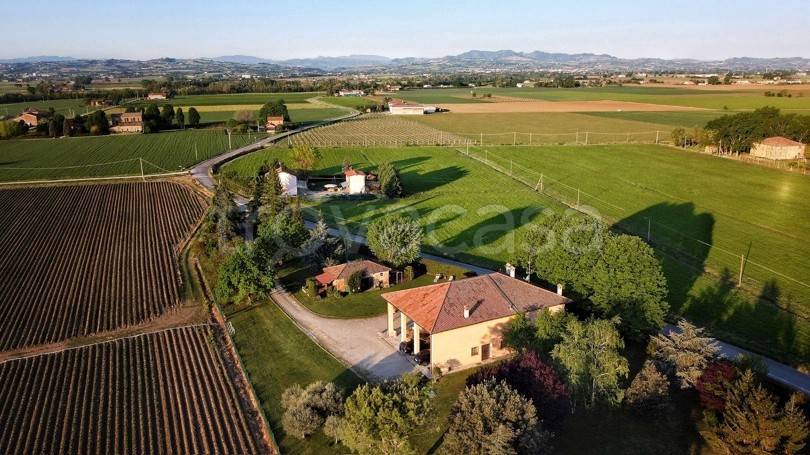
(166, 117)
(738, 132)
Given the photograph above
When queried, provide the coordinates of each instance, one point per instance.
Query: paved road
(355, 341)
(330, 329)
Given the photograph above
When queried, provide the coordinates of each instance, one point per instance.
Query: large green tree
(180, 117)
(244, 277)
(628, 281)
(591, 362)
(193, 117)
(683, 353)
(306, 409)
(390, 182)
(395, 239)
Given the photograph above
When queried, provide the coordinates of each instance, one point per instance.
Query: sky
(282, 29)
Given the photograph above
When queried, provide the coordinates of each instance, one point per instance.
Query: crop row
(84, 259)
(166, 392)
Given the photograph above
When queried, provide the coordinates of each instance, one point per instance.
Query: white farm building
(778, 148)
(355, 181)
(289, 183)
(398, 108)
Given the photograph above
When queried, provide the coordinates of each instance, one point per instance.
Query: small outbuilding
(374, 275)
(778, 148)
(274, 122)
(355, 181)
(157, 96)
(400, 108)
(127, 122)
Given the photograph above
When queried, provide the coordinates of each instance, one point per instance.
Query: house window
(474, 351)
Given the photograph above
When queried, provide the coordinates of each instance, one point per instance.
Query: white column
(415, 339)
(403, 327)
(391, 310)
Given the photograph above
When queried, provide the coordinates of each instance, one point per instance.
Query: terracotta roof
(343, 271)
(440, 307)
(350, 172)
(780, 141)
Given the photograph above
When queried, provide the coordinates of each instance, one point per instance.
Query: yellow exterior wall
(451, 350)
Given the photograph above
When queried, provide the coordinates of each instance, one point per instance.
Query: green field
(350, 101)
(239, 98)
(740, 208)
(61, 106)
(35, 159)
(539, 123)
(706, 99)
(685, 119)
(307, 115)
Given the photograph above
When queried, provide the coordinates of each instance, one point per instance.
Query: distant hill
(324, 63)
(37, 59)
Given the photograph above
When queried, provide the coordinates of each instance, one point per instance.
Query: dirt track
(560, 106)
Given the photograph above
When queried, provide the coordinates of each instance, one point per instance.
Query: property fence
(666, 239)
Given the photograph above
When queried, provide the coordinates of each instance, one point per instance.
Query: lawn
(706, 99)
(239, 98)
(540, 123)
(114, 155)
(299, 115)
(439, 96)
(685, 119)
(355, 305)
(474, 214)
(276, 355)
(62, 106)
(351, 101)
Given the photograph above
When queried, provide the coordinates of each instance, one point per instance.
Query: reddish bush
(532, 378)
(714, 383)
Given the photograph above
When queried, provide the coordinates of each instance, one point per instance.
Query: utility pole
(140, 160)
(586, 138)
(742, 268)
(482, 139)
(577, 197)
(195, 151)
(530, 138)
(514, 139)
(649, 228)
(656, 136)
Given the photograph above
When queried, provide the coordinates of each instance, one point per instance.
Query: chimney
(466, 312)
(559, 289)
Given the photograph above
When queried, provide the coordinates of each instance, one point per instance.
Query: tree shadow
(495, 235)
(415, 182)
(681, 236)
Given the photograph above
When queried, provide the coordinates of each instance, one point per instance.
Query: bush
(311, 287)
(532, 378)
(649, 391)
(395, 239)
(493, 418)
(355, 281)
(306, 410)
(408, 275)
(714, 384)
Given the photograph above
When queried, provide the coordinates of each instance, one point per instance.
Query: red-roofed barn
(375, 275)
(464, 319)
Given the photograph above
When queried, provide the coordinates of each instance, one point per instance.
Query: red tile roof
(780, 141)
(350, 172)
(440, 307)
(343, 271)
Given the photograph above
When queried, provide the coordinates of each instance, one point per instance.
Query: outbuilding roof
(780, 141)
(440, 307)
(343, 271)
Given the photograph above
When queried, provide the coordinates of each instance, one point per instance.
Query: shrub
(493, 418)
(312, 288)
(532, 378)
(714, 384)
(408, 275)
(306, 410)
(355, 281)
(649, 391)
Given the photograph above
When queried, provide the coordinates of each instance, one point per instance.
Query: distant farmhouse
(351, 93)
(274, 122)
(401, 108)
(128, 122)
(30, 117)
(462, 321)
(374, 275)
(157, 96)
(778, 148)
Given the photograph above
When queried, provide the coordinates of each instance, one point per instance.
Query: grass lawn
(358, 305)
(706, 99)
(33, 159)
(276, 355)
(685, 119)
(62, 106)
(478, 216)
(470, 125)
(351, 101)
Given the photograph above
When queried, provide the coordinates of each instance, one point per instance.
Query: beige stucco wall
(778, 152)
(380, 279)
(452, 348)
(127, 129)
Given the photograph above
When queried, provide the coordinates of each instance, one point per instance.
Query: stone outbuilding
(374, 275)
(778, 148)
